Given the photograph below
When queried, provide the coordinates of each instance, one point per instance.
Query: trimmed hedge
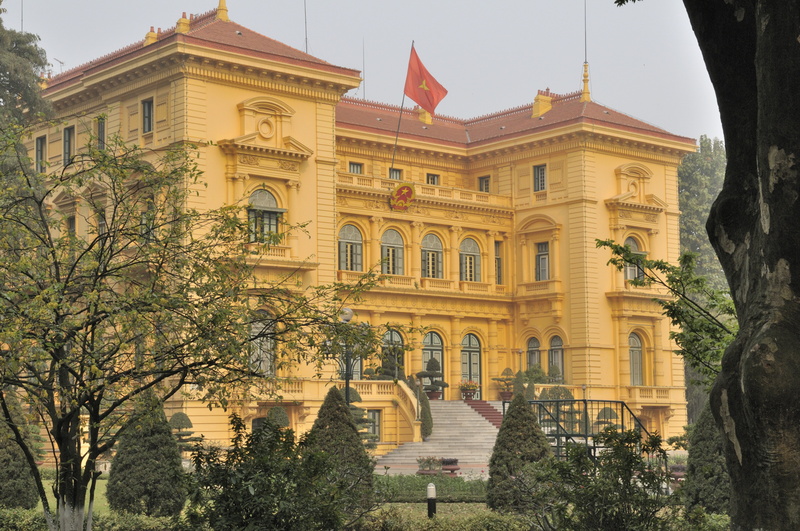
(412, 489)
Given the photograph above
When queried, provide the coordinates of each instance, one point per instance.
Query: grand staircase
(459, 431)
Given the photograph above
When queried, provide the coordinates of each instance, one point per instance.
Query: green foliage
(23, 64)
(412, 488)
(556, 393)
(622, 488)
(18, 519)
(707, 484)
(17, 486)
(520, 441)
(180, 424)
(536, 375)
(700, 178)
(449, 517)
(146, 475)
(335, 435)
(704, 316)
(506, 380)
(519, 383)
(265, 480)
(433, 371)
(138, 522)
(278, 416)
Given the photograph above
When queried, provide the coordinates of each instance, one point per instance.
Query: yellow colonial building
(484, 229)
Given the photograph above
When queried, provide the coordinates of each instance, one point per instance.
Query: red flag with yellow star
(421, 85)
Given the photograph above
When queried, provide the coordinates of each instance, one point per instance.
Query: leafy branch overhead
(705, 316)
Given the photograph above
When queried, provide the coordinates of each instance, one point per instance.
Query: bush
(707, 483)
(146, 475)
(267, 481)
(180, 424)
(17, 487)
(622, 488)
(335, 435)
(449, 517)
(277, 415)
(433, 371)
(520, 441)
(404, 488)
(136, 522)
(18, 519)
(425, 410)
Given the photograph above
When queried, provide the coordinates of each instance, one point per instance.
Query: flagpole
(399, 120)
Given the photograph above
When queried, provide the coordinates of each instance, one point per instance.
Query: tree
(700, 177)
(620, 488)
(22, 64)
(181, 424)
(707, 483)
(112, 286)
(749, 48)
(520, 441)
(146, 474)
(335, 434)
(267, 481)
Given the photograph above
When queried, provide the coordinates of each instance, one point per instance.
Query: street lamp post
(346, 315)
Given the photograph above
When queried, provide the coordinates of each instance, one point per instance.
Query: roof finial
(150, 37)
(222, 11)
(585, 95)
(183, 25)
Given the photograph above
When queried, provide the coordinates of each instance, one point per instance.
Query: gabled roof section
(209, 31)
(566, 110)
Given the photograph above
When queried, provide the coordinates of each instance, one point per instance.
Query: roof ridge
(377, 105)
(498, 114)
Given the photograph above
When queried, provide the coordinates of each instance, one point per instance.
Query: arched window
(392, 356)
(555, 370)
(392, 253)
(633, 271)
(262, 344)
(432, 256)
(432, 347)
(635, 351)
(471, 359)
(534, 354)
(263, 216)
(350, 248)
(470, 260)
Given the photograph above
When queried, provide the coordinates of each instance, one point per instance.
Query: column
(455, 232)
(454, 357)
(374, 257)
(416, 250)
(491, 364)
(290, 216)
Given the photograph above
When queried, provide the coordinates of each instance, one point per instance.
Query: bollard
(431, 500)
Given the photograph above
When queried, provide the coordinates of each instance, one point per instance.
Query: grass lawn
(100, 502)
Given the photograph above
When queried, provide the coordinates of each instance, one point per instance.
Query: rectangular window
(349, 256)
(263, 225)
(432, 178)
(41, 154)
(69, 144)
(392, 260)
(147, 116)
(374, 428)
(540, 178)
(469, 268)
(483, 184)
(356, 167)
(395, 174)
(101, 132)
(431, 264)
(542, 261)
(498, 263)
(71, 225)
(100, 221)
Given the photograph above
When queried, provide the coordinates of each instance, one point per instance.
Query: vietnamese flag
(421, 85)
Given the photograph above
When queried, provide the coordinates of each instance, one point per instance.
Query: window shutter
(399, 261)
(462, 259)
(356, 257)
(477, 276)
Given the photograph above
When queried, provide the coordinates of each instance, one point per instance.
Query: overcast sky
(643, 58)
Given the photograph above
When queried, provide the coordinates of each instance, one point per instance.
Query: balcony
(661, 396)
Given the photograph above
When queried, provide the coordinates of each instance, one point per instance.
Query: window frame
(633, 271)
(100, 130)
(533, 352)
(469, 261)
(432, 179)
(147, 116)
(263, 217)
(432, 256)
(392, 252)
(498, 263)
(262, 354)
(356, 168)
(485, 183)
(636, 355)
(40, 157)
(351, 250)
(540, 178)
(555, 356)
(395, 174)
(374, 427)
(68, 144)
(542, 262)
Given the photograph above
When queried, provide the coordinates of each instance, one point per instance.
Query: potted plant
(429, 466)
(468, 389)
(506, 381)
(433, 372)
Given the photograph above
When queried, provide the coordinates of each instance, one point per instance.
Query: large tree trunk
(752, 52)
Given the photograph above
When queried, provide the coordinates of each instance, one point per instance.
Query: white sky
(491, 56)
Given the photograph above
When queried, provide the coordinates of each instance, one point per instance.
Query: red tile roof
(206, 30)
(566, 110)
